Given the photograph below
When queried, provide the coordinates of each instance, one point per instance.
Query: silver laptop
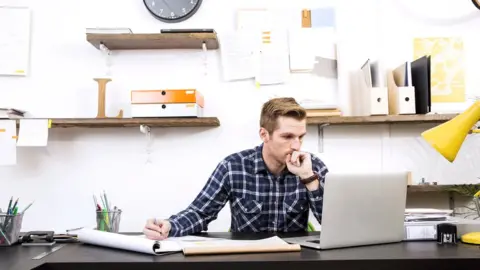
(360, 209)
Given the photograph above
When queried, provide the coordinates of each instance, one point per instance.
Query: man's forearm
(315, 195)
(186, 222)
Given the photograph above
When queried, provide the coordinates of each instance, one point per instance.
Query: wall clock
(172, 11)
(440, 12)
(476, 3)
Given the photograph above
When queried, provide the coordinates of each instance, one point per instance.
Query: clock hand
(165, 2)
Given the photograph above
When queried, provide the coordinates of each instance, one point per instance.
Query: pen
(28, 206)
(14, 205)
(106, 205)
(95, 200)
(9, 205)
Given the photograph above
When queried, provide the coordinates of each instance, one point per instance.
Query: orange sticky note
(2, 130)
(15, 137)
(306, 18)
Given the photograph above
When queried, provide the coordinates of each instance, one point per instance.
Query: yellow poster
(446, 67)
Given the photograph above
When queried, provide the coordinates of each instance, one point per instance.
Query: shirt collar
(260, 166)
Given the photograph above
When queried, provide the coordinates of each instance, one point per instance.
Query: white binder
(371, 97)
(401, 93)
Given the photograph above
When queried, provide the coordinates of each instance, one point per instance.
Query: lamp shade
(448, 137)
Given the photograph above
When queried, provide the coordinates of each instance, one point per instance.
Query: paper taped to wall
(8, 140)
(14, 40)
(33, 132)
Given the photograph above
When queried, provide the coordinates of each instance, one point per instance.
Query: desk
(407, 255)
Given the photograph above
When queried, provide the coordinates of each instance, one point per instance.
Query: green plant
(465, 189)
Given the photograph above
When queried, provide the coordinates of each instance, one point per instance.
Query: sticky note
(49, 123)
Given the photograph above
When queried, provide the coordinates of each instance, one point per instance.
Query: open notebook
(189, 245)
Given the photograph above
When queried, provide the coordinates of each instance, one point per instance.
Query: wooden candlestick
(102, 88)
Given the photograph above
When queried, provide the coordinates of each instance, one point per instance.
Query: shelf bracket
(148, 135)
(107, 54)
(205, 58)
(320, 137)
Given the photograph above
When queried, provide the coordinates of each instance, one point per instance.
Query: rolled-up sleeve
(316, 196)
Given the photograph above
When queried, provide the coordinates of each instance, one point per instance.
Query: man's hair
(276, 107)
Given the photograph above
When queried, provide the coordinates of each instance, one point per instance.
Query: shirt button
(276, 203)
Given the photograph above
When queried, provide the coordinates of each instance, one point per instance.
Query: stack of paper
(427, 214)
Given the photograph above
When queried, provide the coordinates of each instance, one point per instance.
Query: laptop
(360, 209)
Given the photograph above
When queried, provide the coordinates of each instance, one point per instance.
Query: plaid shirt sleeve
(206, 206)
(316, 196)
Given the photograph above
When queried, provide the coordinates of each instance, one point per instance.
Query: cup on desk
(10, 226)
(108, 221)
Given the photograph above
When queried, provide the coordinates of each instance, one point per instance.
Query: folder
(401, 93)
(373, 92)
(421, 82)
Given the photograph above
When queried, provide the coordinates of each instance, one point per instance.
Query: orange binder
(167, 96)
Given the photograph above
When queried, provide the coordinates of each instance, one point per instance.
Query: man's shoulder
(241, 156)
(316, 159)
(318, 164)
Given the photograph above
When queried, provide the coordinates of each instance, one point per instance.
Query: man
(270, 188)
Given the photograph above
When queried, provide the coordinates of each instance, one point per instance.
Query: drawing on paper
(447, 67)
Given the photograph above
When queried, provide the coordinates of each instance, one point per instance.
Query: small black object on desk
(38, 238)
(446, 233)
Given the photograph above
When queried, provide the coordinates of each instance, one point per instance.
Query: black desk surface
(406, 255)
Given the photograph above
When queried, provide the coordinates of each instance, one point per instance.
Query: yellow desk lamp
(447, 139)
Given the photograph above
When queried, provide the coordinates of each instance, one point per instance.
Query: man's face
(285, 139)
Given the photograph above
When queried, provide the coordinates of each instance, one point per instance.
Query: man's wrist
(306, 175)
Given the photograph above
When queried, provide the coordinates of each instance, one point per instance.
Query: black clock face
(172, 10)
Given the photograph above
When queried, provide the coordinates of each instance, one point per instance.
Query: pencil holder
(108, 221)
(10, 226)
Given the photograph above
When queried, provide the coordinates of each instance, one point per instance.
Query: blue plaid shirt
(259, 201)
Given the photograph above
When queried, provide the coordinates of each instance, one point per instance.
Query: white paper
(126, 242)
(14, 40)
(273, 66)
(33, 132)
(238, 52)
(195, 241)
(169, 245)
(275, 240)
(427, 211)
(254, 19)
(8, 147)
(301, 49)
(420, 232)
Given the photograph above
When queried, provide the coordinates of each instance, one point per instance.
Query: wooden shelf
(134, 122)
(154, 41)
(439, 188)
(380, 119)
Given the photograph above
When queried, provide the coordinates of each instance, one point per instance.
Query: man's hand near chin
(300, 164)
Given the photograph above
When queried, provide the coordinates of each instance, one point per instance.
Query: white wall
(78, 162)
